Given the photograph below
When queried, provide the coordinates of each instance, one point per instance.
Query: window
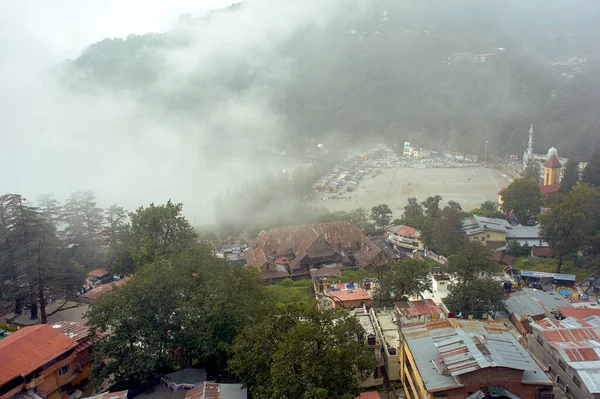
(64, 370)
(482, 238)
(442, 283)
(488, 236)
(577, 381)
(562, 364)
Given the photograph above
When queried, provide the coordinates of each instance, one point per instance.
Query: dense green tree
(405, 278)
(523, 199)
(115, 220)
(591, 173)
(381, 215)
(515, 248)
(412, 209)
(570, 176)
(445, 232)
(432, 206)
(478, 295)
(172, 314)
(154, 232)
(50, 208)
(472, 258)
(565, 226)
(488, 209)
(302, 352)
(33, 260)
(532, 171)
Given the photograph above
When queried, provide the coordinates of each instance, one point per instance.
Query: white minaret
(530, 147)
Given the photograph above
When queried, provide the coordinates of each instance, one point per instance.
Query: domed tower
(552, 168)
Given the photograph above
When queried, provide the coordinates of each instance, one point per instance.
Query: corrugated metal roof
(521, 303)
(521, 232)
(578, 343)
(548, 300)
(458, 347)
(418, 308)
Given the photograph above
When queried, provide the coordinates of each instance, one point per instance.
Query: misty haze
(191, 110)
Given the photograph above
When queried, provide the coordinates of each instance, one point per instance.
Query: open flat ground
(469, 186)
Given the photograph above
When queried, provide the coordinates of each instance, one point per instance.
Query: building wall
(439, 286)
(354, 303)
(48, 381)
(551, 176)
(494, 236)
(410, 377)
(405, 242)
(558, 370)
(481, 379)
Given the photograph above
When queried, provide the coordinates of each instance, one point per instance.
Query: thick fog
(56, 141)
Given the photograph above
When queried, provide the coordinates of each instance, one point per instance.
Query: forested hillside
(444, 74)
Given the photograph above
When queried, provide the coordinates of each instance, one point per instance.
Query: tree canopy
(591, 173)
(479, 295)
(174, 313)
(302, 352)
(570, 176)
(404, 278)
(566, 225)
(472, 258)
(381, 215)
(532, 171)
(523, 199)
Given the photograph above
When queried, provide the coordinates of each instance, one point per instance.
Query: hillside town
(492, 299)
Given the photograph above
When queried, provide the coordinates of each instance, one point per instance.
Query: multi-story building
(570, 349)
(458, 358)
(41, 361)
(404, 238)
(291, 252)
(418, 312)
(488, 231)
(388, 334)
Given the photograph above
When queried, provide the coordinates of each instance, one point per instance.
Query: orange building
(44, 360)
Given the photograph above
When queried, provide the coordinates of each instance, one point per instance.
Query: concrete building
(488, 231)
(457, 358)
(404, 238)
(366, 318)
(570, 349)
(39, 361)
(341, 295)
(418, 312)
(389, 336)
(529, 305)
(439, 288)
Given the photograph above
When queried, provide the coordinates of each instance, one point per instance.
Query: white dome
(552, 151)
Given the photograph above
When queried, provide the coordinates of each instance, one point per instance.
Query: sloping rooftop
(341, 237)
(520, 232)
(446, 349)
(356, 294)
(552, 188)
(577, 342)
(418, 308)
(189, 376)
(548, 300)
(98, 273)
(104, 288)
(579, 313)
(521, 303)
(553, 162)
(30, 348)
(477, 224)
(404, 231)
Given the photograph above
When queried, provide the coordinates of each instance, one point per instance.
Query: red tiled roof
(542, 252)
(110, 395)
(553, 163)
(404, 231)
(357, 294)
(30, 348)
(98, 273)
(297, 240)
(418, 308)
(552, 188)
(579, 313)
(104, 288)
(441, 277)
(195, 393)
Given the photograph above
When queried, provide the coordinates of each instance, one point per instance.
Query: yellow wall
(495, 236)
(415, 387)
(551, 176)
